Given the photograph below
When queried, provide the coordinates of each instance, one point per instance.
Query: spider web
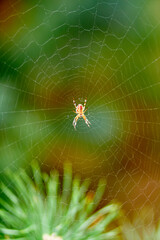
(107, 51)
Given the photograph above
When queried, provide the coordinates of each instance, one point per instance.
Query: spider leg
(85, 101)
(75, 121)
(86, 120)
(85, 110)
(74, 103)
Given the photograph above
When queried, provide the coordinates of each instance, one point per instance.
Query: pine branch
(40, 208)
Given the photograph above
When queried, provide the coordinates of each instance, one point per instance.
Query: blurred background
(105, 50)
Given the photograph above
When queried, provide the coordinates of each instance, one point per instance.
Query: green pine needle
(32, 209)
(142, 226)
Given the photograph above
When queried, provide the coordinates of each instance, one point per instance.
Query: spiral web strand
(107, 51)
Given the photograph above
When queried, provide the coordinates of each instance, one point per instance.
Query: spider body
(80, 110)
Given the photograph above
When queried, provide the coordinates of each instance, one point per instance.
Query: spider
(80, 110)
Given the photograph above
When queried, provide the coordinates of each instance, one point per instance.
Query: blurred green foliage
(107, 51)
(32, 208)
(143, 226)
